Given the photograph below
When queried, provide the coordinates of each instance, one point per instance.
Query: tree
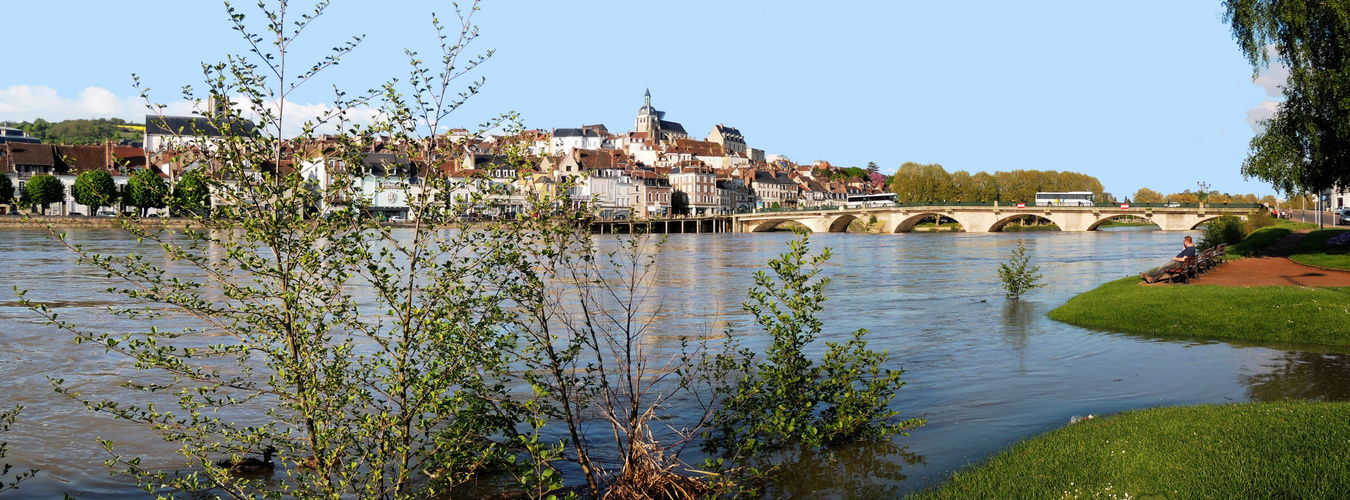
(1306, 145)
(190, 193)
(1017, 277)
(1146, 195)
(872, 167)
(6, 189)
(784, 399)
(679, 202)
(915, 182)
(146, 190)
(961, 186)
(43, 190)
(95, 189)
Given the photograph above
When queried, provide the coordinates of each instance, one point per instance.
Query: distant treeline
(930, 182)
(96, 131)
(1146, 195)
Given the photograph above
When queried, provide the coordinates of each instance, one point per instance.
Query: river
(984, 371)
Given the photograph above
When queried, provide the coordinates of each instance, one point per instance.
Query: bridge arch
(1208, 218)
(907, 223)
(769, 225)
(1003, 222)
(840, 224)
(1132, 217)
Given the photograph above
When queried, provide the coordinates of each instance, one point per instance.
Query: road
(1328, 218)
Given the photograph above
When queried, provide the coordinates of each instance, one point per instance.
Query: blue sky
(1139, 94)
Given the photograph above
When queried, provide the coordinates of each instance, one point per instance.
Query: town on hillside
(656, 170)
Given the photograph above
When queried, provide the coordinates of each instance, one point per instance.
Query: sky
(1139, 94)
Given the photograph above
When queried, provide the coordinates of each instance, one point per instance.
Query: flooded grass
(1290, 449)
(1298, 315)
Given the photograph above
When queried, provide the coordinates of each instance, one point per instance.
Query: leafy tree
(1305, 145)
(6, 189)
(1146, 195)
(679, 202)
(982, 186)
(1183, 197)
(43, 190)
(1226, 229)
(95, 189)
(458, 346)
(915, 182)
(146, 190)
(785, 398)
(960, 186)
(1017, 277)
(190, 193)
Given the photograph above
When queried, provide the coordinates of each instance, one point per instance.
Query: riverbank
(1315, 251)
(1290, 449)
(1262, 298)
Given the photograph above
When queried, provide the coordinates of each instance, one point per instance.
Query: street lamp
(1204, 191)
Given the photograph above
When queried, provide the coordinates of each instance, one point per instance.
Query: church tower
(648, 120)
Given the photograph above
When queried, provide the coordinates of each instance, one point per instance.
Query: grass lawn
(1292, 449)
(1314, 251)
(1266, 314)
(1265, 236)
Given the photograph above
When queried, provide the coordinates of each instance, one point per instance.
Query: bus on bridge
(870, 200)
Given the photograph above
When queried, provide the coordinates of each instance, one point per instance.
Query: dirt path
(1272, 267)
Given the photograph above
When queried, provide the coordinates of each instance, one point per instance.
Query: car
(105, 213)
(397, 218)
(1173, 204)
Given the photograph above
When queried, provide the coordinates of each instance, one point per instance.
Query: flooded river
(984, 371)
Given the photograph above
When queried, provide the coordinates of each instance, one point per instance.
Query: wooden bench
(1207, 261)
(1183, 273)
(1220, 253)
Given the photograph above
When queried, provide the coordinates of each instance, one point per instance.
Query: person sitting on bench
(1156, 274)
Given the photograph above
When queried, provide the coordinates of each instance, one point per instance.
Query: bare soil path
(1272, 267)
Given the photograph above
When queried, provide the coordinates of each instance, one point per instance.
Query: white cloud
(1261, 112)
(1273, 79)
(29, 102)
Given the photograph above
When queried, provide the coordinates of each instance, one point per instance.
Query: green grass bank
(1264, 314)
(1293, 449)
(1266, 236)
(1314, 251)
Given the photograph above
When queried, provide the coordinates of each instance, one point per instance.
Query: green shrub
(1227, 229)
(1017, 277)
(1258, 219)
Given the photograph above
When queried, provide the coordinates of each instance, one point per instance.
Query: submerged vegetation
(514, 348)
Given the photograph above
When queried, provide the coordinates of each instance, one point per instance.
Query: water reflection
(1323, 376)
(865, 469)
(985, 371)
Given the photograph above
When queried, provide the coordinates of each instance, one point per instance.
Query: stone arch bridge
(981, 219)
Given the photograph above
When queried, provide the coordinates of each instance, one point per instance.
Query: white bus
(1065, 199)
(878, 200)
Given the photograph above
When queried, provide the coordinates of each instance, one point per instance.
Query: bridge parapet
(986, 218)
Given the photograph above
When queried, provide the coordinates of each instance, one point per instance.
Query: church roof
(672, 127)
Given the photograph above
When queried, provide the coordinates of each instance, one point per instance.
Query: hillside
(95, 131)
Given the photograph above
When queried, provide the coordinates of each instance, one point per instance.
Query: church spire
(647, 98)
